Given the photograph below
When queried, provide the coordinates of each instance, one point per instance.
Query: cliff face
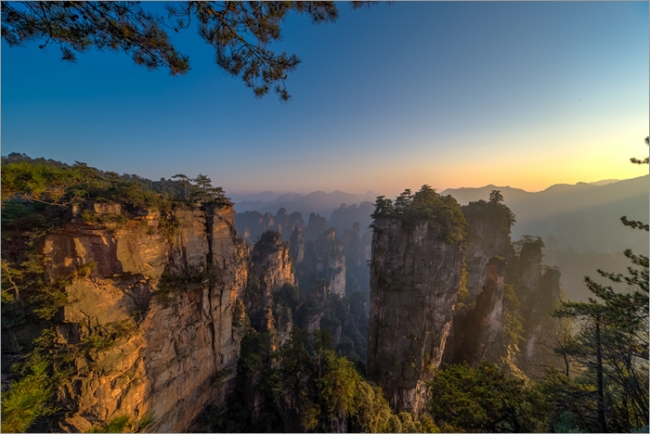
(538, 324)
(272, 266)
(528, 275)
(251, 224)
(477, 332)
(414, 281)
(297, 245)
(486, 238)
(431, 304)
(149, 322)
(330, 261)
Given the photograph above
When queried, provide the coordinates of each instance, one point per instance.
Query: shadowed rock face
(538, 350)
(528, 276)
(330, 261)
(414, 281)
(297, 245)
(172, 293)
(271, 263)
(485, 239)
(478, 333)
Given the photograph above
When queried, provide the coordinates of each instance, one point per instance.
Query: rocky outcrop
(478, 331)
(414, 282)
(316, 225)
(487, 237)
(453, 308)
(528, 274)
(330, 261)
(251, 224)
(272, 266)
(538, 326)
(297, 246)
(148, 320)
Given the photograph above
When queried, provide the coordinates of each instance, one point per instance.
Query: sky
(450, 94)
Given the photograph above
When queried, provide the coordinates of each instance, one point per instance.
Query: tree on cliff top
(240, 32)
(424, 205)
(494, 210)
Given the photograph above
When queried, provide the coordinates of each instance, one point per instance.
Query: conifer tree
(613, 341)
(240, 32)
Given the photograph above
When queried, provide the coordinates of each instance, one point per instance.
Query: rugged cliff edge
(415, 275)
(147, 326)
(153, 309)
(436, 299)
(272, 273)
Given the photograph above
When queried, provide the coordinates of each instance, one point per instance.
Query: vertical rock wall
(330, 261)
(159, 301)
(477, 333)
(485, 239)
(539, 342)
(414, 281)
(272, 265)
(477, 329)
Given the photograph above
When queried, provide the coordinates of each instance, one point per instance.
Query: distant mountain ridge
(558, 198)
(581, 216)
(584, 215)
(318, 202)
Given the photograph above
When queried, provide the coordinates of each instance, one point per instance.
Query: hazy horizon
(414, 188)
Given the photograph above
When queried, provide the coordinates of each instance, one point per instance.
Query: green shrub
(170, 224)
(124, 423)
(27, 399)
(84, 270)
(118, 424)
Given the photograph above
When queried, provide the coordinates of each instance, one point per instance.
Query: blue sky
(391, 97)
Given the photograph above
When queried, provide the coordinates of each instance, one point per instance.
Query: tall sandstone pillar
(414, 281)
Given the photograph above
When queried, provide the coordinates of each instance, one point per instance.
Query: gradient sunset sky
(449, 94)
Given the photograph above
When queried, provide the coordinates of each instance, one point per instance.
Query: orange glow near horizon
(531, 167)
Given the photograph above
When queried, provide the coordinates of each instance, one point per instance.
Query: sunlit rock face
(414, 282)
(150, 318)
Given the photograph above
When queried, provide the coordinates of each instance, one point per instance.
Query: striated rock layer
(158, 296)
(414, 281)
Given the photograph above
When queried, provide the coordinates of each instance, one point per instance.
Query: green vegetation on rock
(425, 205)
(493, 210)
(304, 386)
